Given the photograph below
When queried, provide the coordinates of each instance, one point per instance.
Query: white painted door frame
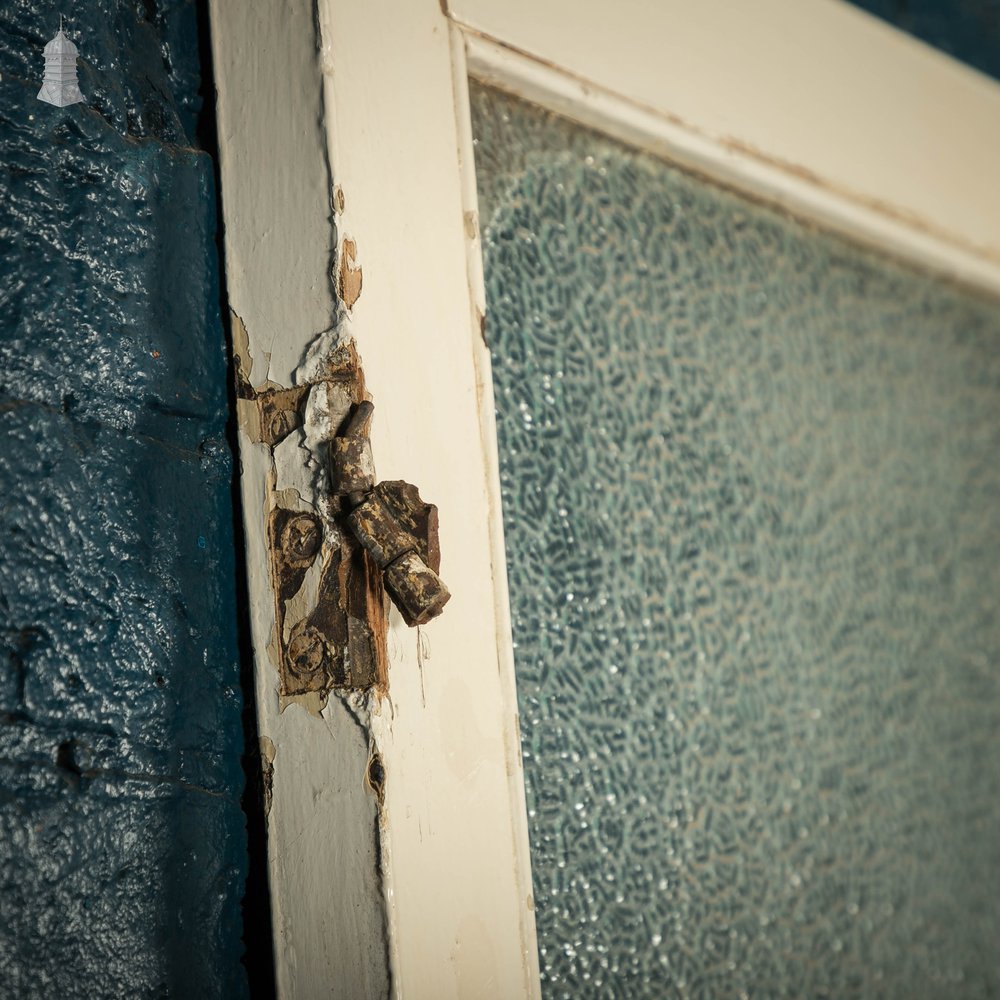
(362, 134)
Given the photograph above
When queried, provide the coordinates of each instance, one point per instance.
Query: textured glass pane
(750, 484)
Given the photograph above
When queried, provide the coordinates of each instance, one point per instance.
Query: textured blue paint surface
(122, 840)
(968, 30)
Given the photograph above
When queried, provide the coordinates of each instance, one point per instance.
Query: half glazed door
(687, 321)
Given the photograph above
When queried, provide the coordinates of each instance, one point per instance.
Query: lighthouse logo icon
(60, 86)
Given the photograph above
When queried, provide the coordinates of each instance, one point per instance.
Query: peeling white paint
(327, 899)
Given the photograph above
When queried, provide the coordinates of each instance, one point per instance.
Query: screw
(280, 424)
(307, 651)
(301, 538)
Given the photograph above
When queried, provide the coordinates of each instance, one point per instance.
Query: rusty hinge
(333, 564)
(398, 530)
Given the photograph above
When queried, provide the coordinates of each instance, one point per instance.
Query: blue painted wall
(122, 841)
(968, 30)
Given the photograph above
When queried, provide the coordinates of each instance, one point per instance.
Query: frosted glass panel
(750, 485)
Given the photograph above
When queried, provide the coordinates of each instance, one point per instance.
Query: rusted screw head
(301, 538)
(307, 651)
(280, 424)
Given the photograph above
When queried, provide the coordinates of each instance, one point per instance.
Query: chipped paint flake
(268, 751)
(330, 607)
(349, 274)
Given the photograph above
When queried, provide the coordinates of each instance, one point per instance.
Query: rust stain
(329, 601)
(338, 200)
(400, 533)
(738, 146)
(334, 558)
(908, 218)
(486, 77)
(349, 278)
(330, 633)
(279, 413)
